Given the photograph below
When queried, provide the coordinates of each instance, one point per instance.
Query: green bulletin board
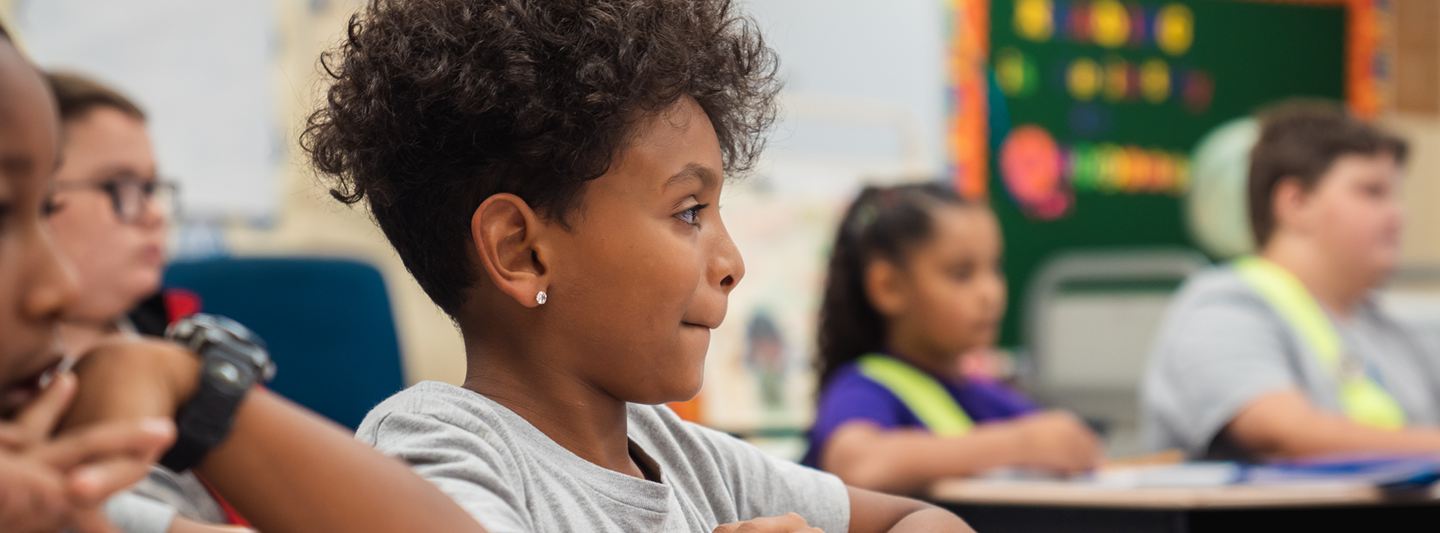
(1108, 98)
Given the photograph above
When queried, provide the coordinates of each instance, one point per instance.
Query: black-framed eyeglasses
(131, 195)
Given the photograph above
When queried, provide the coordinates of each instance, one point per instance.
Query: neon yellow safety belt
(1362, 399)
(920, 392)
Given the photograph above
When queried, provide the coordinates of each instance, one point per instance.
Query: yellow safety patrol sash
(1363, 400)
(920, 392)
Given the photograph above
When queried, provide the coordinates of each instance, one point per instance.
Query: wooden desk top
(1080, 494)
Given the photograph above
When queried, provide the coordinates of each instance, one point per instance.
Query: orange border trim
(1363, 33)
(968, 44)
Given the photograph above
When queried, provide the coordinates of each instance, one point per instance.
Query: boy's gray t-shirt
(512, 478)
(1221, 347)
(151, 505)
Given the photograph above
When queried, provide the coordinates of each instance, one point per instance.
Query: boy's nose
(726, 267)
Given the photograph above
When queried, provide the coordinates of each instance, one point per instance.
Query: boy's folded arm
(282, 467)
(1286, 424)
(874, 512)
(286, 469)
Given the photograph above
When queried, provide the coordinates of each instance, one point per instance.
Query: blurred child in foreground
(109, 219)
(286, 469)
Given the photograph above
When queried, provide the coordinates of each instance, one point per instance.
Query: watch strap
(198, 428)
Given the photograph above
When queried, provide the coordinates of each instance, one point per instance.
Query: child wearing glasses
(110, 211)
(108, 217)
(286, 469)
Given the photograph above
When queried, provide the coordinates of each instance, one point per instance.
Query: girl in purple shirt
(914, 282)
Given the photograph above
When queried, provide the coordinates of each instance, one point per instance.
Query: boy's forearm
(1286, 424)
(284, 468)
(874, 512)
(930, 520)
(287, 470)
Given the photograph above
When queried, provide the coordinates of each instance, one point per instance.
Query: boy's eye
(692, 215)
(49, 207)
(963, 272)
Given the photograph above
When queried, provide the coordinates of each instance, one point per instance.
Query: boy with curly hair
(548, 170)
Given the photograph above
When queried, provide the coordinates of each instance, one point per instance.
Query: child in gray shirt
(1284, 353)
(514, 478)
(549, 171)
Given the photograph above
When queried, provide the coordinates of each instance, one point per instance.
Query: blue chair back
(327, 322)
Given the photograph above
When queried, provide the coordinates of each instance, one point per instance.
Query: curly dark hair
(437, 105)
(884, 223)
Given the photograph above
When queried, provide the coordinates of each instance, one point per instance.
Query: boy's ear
(1289, 203)
(507, 238)
(883, 288)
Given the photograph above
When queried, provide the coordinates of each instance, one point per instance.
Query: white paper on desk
(1018, 474)
(1203, 474)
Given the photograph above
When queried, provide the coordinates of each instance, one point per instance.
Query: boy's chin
(674, 389)
(675, 376)
(683, 392)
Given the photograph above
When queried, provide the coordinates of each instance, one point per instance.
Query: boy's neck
(1332, 288)
(575, 414)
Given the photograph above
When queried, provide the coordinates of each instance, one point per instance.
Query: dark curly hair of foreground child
(438, 104)
(473, 128)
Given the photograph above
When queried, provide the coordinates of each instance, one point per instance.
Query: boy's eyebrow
(693, 172)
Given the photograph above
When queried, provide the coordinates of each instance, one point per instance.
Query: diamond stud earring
(540, 298)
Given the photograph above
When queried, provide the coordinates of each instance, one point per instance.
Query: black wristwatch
(232, 361)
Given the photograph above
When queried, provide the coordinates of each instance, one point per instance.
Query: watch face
(246, 360)
(227, 373)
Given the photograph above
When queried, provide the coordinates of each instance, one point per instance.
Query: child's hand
(32, 495)
(789, 523)
(1058, 442)
(47, 484)
(130, 380)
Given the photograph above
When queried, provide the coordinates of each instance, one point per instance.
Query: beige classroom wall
(310, 222)
(1421, 189)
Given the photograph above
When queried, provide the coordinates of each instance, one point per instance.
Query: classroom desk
(1043, 506)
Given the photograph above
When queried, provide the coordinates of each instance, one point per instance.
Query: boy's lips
(702, 322)
(703, 316)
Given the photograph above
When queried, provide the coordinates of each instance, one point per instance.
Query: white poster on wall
(202, 73)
